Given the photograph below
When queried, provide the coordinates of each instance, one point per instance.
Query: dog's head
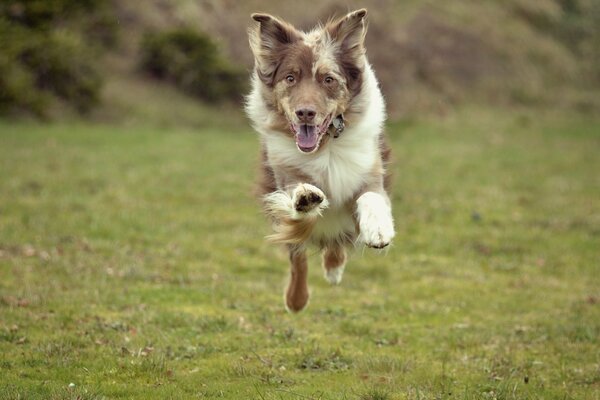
(310, 78)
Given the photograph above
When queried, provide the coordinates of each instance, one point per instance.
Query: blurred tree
(44, 56)
(192, 61)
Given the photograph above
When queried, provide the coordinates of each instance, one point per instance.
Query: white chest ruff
(339, 169)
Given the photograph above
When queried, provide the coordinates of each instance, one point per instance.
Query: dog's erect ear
(267, 39)
(349, 32)
(273, 32)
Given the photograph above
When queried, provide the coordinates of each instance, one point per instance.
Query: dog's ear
(267, 39)
(273, 32)
(349, 32)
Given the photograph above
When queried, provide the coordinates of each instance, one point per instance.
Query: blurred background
(116, 60)
(132, 258)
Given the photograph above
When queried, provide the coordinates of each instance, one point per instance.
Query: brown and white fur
(316, 188)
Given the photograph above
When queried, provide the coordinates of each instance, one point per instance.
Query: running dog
(319, 111)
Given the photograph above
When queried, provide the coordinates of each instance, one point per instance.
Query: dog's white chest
(340, 169)
(344, 168)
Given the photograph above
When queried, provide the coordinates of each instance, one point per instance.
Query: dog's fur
(318, 188)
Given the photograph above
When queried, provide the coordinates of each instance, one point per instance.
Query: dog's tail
(289, 226)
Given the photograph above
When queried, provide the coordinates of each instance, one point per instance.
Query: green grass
(133, 265)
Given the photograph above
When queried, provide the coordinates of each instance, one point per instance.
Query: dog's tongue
(307, 137)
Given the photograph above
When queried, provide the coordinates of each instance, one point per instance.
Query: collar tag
(338, 125)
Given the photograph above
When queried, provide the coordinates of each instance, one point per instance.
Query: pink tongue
(307, 137)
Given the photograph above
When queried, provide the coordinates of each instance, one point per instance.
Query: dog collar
(337, 126)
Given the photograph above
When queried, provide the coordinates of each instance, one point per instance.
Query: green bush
(94, 18)
(17, 89)
(38, 14)
(61, 65)
(36, 68)
(192, 61)
(43, 56)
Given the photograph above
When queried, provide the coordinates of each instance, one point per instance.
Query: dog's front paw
(308, 200)
(375, 221)
(377, 233)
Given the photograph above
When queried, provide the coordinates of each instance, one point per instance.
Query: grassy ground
(132, 265)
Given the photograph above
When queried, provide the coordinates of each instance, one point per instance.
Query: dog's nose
(306, 115)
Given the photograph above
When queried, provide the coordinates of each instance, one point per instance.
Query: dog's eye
(329, 80)
(290, 79)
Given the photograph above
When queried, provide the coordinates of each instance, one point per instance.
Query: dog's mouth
(308, 136)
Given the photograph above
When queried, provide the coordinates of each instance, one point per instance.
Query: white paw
(308, 200)
(377, 233)
(375, 220)
(334, 275)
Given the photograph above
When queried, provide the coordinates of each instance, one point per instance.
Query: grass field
(133, 265)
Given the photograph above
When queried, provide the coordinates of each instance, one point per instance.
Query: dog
(317, 105)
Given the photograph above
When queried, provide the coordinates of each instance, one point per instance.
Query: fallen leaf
(22, 303)
(28, 250)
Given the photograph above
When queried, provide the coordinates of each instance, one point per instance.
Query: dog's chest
(340, 169)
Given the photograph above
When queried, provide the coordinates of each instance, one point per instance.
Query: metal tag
(338, 125)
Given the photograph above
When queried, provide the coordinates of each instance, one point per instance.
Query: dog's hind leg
(334, 262)
(296, 295)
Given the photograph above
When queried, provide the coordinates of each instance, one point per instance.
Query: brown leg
(296, 295)
(334, 261)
